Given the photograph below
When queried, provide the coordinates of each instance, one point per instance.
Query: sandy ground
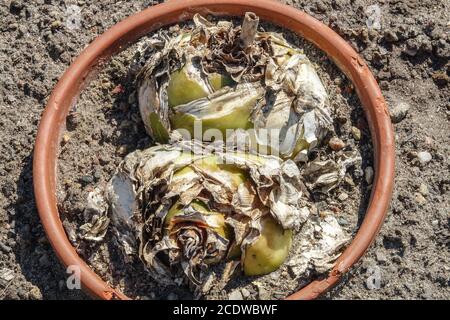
(409, 54)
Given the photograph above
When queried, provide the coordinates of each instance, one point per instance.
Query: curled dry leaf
(189, 210)
(325, 175)
(233, 77)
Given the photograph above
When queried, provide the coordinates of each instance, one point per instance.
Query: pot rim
(130, 30)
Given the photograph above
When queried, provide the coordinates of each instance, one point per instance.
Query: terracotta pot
(130, 30)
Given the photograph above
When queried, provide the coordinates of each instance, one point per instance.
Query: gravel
(369, 174)
(235, 295)
(356, 133)
(336, 144)
(423, 189)
(172, 296)
(399, 111)
(245, 293)
(424, 157)
(419, 198)
(263, 294)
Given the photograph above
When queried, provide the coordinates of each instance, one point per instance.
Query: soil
(409, 55)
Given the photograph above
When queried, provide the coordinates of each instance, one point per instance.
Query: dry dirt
(409, 55)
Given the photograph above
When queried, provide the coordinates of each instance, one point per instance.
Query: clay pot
(130, 30)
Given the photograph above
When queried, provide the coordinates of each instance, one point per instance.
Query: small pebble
(122, 150)
(399, 112)
(358, 173)
(419, 199)
(61, 285)
(172, 296)
(343, 196)
(97, 174)
(16, 6)
(435, 222)
(245, 293)
(356, 133)
(263, 294)
(87, 179)
(13, 26)
(381, 257)
(5, 248)
(43, 260)
(103, 160)
(132, 98)
(55, 24)
(424, 157)
(10, 98)
(428, 141)
(411, 49)
(441, 78)
(368, 174)
(235, 295)
(22, 30)
(390, 36)
(325, 213)
(342, 221)
(65, 138)
(427, 293)
(35, 294)
(336, 144)
(423, 189)
(106, 85)
(279, 295)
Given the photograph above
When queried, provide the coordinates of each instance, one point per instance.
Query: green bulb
(269, 251)
(183, 89)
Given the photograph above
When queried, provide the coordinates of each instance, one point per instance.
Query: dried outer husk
(321, 242)
(319, 175)
(95, 215)
(235, 191)
(325, 175)
(175, 87)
